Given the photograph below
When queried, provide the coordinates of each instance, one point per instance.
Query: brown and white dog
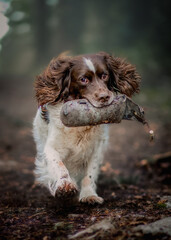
(68, 159)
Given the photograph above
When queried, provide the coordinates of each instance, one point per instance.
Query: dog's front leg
(88, 184)
(60, 184)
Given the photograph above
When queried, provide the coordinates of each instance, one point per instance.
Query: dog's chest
(77, 145)
(81, 140)
(83, 145)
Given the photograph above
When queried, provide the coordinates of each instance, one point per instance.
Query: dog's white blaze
(90, 64)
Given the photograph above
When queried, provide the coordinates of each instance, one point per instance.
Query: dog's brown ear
(123, 76)
(53, 84)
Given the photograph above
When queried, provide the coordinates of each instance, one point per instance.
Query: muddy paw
(66, 190)
(92, 200)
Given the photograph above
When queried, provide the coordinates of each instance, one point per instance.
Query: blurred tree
(40, 29)
(137, 30)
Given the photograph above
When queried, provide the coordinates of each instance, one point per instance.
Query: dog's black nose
(102, 96)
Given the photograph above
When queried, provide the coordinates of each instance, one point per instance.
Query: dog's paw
(66, 189)
(92, 200)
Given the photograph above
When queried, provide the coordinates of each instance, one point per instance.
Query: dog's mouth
(94, 103)
(97, 104)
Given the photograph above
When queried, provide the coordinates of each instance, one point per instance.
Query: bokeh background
(136, 173)
(34, 31)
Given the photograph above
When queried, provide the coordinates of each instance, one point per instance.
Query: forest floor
(134, 181)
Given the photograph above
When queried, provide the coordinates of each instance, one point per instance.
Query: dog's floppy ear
(123, 75)
(53, 84)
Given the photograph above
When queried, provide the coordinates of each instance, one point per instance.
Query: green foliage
(161, 205)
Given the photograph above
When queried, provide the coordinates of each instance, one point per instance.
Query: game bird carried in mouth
(81, 112)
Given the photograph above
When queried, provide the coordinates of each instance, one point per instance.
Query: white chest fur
(76, 146)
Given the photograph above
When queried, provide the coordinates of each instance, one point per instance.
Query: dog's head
(94, 77)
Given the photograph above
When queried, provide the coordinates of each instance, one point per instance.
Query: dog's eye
(104, 76)
(84, 80)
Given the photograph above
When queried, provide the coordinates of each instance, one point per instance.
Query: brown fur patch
(124, 76)
(54, 82)
(58, 82)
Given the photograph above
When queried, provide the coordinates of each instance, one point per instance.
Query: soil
(132, 180)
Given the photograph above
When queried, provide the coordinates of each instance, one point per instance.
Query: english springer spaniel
(68, 159)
